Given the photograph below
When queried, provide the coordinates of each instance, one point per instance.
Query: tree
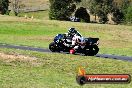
(120, 9)
(82, 14)
(94, 7)
(16, 4)
(4, 6)
(128, 15)
(101, 8)
(118, 16)
(62, 9)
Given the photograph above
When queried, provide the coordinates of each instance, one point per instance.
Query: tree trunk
(16, 14)
(95, 17)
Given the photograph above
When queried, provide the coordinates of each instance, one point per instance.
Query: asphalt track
(107, 56)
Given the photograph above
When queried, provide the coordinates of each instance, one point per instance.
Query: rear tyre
(91, 50)
(52, 47)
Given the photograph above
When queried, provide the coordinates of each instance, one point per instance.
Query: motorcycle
(63, 43)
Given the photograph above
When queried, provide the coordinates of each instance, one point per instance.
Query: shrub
(128, 15)
(62, 9)
(4, 6)
(82, 14)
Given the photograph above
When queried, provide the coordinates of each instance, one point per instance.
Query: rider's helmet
(72, 31)
(82, 39)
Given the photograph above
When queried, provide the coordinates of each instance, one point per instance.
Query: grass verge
(56, 70)
(114, 39)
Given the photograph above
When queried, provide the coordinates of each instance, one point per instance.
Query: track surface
(126, 58)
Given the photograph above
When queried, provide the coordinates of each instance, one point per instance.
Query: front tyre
(91, 50)
(52, 47)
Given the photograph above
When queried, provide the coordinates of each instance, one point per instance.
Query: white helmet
(82, 39)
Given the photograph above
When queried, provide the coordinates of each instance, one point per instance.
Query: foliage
(118, 15)
(4, 6)
(128, 15)
(62, 9)
(16, 4)
(82, 14)
(102, 7)
(119, 10)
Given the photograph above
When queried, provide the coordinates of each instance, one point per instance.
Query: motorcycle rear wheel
(91, 50)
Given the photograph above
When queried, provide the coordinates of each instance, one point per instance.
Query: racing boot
(72, 51)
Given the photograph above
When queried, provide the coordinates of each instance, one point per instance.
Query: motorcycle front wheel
(52, 47)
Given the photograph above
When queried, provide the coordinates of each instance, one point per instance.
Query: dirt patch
(10, 58)
(41, 38)
(115, 43)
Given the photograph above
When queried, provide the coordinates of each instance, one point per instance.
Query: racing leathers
(77, 42)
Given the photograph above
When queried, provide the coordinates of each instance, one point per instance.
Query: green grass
(31, 3)
(43, 15)
(37, 15)
(27, 34)
(114, 39)
(57, 70)
(42, 4)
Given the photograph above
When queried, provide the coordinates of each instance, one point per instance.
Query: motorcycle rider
(72, 32)
(76, 38)
(77, 41)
